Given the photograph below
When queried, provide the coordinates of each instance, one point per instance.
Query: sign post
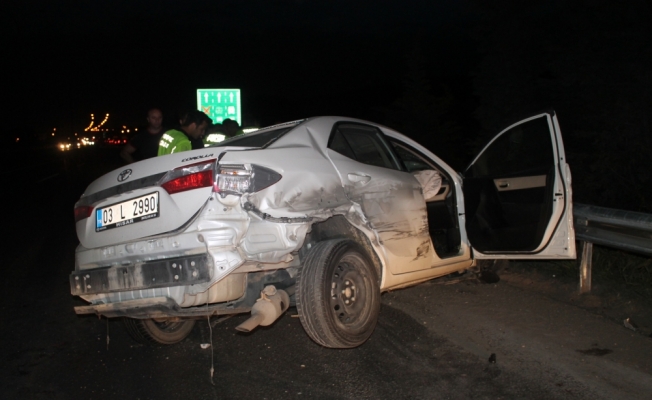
(220, 104)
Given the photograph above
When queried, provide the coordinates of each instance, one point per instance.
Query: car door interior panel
(509, 190)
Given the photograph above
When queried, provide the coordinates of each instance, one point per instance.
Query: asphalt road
(432, 341)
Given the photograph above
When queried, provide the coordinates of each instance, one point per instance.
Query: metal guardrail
(624, 230)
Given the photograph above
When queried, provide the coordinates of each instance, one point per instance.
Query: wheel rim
(348, 293)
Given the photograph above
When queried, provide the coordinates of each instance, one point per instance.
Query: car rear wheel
(338, 296)
(159, 332)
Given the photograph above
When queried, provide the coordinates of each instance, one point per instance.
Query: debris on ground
(629, 324)
(596, 352)
(488, 276)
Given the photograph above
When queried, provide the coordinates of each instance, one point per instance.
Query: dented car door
(389, 197)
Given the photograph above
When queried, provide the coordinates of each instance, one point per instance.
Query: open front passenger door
(517, 194)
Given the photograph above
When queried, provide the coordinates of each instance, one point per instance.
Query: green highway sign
(220, 104)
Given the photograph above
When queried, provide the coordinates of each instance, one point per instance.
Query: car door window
(526, 148)
(412, 161)
(364, 144)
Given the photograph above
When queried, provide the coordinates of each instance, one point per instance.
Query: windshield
(255, 139)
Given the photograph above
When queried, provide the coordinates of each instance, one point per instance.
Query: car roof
(311, 132)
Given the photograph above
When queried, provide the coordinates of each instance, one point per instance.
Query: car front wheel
(160, 332)
(338, 295)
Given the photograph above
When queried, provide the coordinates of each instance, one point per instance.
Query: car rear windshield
(254, 139)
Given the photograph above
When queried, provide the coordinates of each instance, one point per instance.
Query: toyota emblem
(124, 175)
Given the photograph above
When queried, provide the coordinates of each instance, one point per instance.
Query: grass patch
(612, 269)
(622, 268)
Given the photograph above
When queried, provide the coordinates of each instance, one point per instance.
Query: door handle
(503, 185)
(358, 178)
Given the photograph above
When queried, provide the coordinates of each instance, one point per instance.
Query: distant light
(18, 139)
(52, 133)
(249, 130)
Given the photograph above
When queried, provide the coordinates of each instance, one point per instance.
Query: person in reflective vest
(193, 125)
(214, 134)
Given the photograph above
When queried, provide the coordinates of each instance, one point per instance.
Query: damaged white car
(323, 213)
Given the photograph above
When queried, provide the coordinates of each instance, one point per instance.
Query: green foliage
(630, 270)
(612, 270)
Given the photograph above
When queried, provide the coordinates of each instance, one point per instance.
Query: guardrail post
(585, 267)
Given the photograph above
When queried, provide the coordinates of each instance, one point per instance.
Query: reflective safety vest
(173, 141)
(213, 138)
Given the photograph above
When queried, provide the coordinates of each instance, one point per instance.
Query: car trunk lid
(144, 199)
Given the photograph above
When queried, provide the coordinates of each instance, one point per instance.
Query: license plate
(127, 212)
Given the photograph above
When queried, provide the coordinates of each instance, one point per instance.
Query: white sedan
(323, 213)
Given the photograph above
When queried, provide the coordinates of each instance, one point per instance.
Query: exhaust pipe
(268, 308)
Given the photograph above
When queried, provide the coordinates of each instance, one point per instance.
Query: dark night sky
(449, 73)
(292, 59)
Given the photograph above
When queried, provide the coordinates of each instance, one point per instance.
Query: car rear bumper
(180, 271)
(157, 307)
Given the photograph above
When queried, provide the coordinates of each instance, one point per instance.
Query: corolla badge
(124, 175)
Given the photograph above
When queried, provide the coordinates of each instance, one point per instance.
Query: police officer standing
(193, 125)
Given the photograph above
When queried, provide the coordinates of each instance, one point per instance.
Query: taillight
(188, 177)
(82, 212)
(240, 179)
(189, 182)
(234, 179)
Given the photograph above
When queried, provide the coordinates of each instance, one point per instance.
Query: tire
(338, 294)
(148, 331)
